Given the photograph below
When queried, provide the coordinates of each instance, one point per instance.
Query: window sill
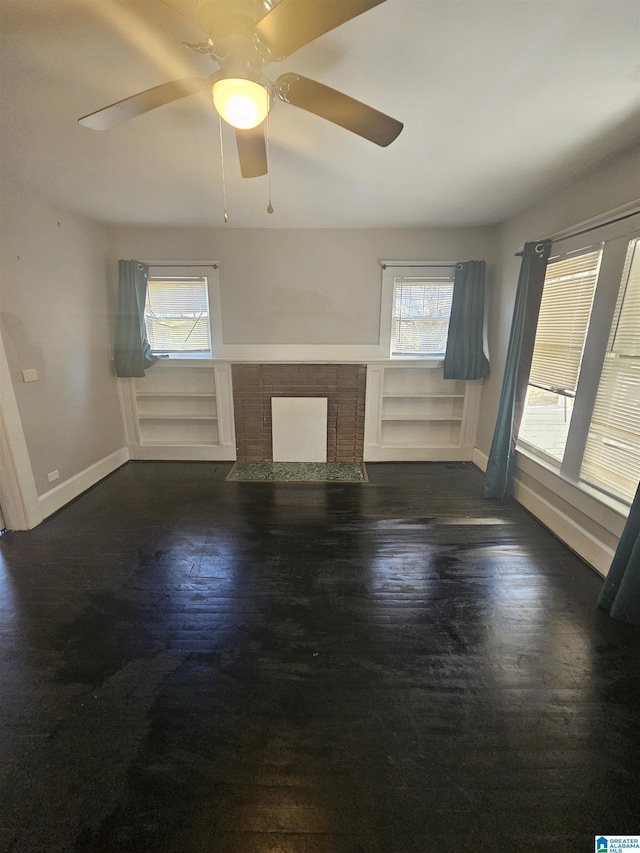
(181, 356)
(616, 505)
(416, 357)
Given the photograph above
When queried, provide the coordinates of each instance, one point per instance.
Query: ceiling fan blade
(136, 105)
(252, 152)
(338, 108)
(294, 23)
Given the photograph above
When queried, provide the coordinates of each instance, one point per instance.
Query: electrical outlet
(30, 375)
(54, 475)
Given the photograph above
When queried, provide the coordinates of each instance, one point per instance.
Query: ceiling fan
(242, 39)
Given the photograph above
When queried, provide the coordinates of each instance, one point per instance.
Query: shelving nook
(181, 409)
(413, 413)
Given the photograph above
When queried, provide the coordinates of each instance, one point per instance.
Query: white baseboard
(184, 453)
(390, 453)
(580, 540)
(480, 459)
(56, 498)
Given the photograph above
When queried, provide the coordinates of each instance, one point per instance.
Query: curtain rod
(581, 231)
(385, 264)
(214, 264)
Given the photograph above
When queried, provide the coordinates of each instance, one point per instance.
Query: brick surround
(342, 384)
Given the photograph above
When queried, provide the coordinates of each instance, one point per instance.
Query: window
(421, 307)
(177, 310)
(612, 452)
(582, 412)
(565, 310)
(177, 315)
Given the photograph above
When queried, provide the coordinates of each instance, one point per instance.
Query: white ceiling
(500, 99)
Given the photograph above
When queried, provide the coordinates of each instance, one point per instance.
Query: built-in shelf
(419, 418)
(425, 394)
(175, 394)
(181, 410)
(413, 412)
(163, 416)
(404, 445)
(182, 443)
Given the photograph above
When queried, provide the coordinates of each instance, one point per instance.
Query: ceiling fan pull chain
(224, 185)
(269, 206)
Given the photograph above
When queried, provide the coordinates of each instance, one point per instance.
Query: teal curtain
(620, 595)
(517, 367)
(465, 357)
(132, 350)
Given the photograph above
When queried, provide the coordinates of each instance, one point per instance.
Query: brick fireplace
(342, 384)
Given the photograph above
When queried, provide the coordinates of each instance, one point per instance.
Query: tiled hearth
(298, 472)
(342, 384)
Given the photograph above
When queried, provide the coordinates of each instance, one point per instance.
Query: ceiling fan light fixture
(242, 103)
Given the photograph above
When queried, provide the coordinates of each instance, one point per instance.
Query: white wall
(300, 287)
(56, 310)
(590, 527)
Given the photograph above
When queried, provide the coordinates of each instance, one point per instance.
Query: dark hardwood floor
(396, 667)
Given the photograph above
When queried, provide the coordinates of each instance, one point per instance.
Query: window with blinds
(612, 452)
(565, 311)
(567, 298)
(421, 311)
(177, 315)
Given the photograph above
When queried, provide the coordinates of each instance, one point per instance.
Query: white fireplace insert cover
(299, 429)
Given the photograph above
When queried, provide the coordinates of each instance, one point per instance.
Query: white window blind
(612, 452)
(177, 315)
(421, 311)
(567, 298)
